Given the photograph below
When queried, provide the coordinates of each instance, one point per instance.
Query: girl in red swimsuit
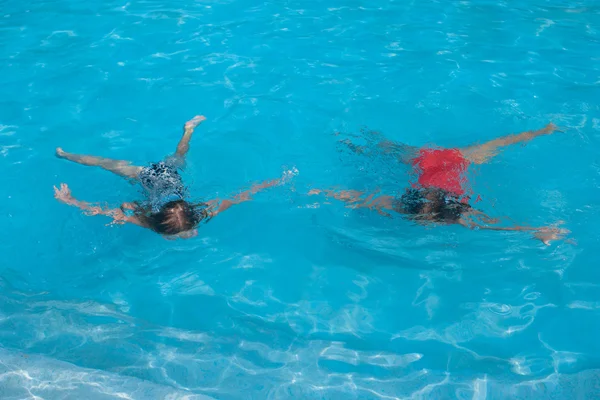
(439, 193)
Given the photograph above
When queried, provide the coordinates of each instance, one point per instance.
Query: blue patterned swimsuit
(162, 183)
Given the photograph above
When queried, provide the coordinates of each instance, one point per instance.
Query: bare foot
(313, 192)
(60, 152)
(194, 122)
(352, 146)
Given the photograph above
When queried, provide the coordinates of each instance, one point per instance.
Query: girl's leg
(119, 167)
(481, 153)
(402, 152)
(184, 144)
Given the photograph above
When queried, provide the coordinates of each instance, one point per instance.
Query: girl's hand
(63, 194)
(550, 128)
(546, 235)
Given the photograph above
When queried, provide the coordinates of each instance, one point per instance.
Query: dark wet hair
(432, 204)
(174, 217)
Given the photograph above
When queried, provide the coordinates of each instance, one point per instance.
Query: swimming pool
(282, 298)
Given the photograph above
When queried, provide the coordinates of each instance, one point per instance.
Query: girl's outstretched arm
(545, 233)
(217, 206)
(356, 199)
(63, 194)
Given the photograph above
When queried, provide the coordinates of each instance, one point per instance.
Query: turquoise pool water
(280, 298)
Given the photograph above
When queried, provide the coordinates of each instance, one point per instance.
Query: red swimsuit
(441, 168)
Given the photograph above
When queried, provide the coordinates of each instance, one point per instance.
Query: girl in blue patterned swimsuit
(166, 210)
